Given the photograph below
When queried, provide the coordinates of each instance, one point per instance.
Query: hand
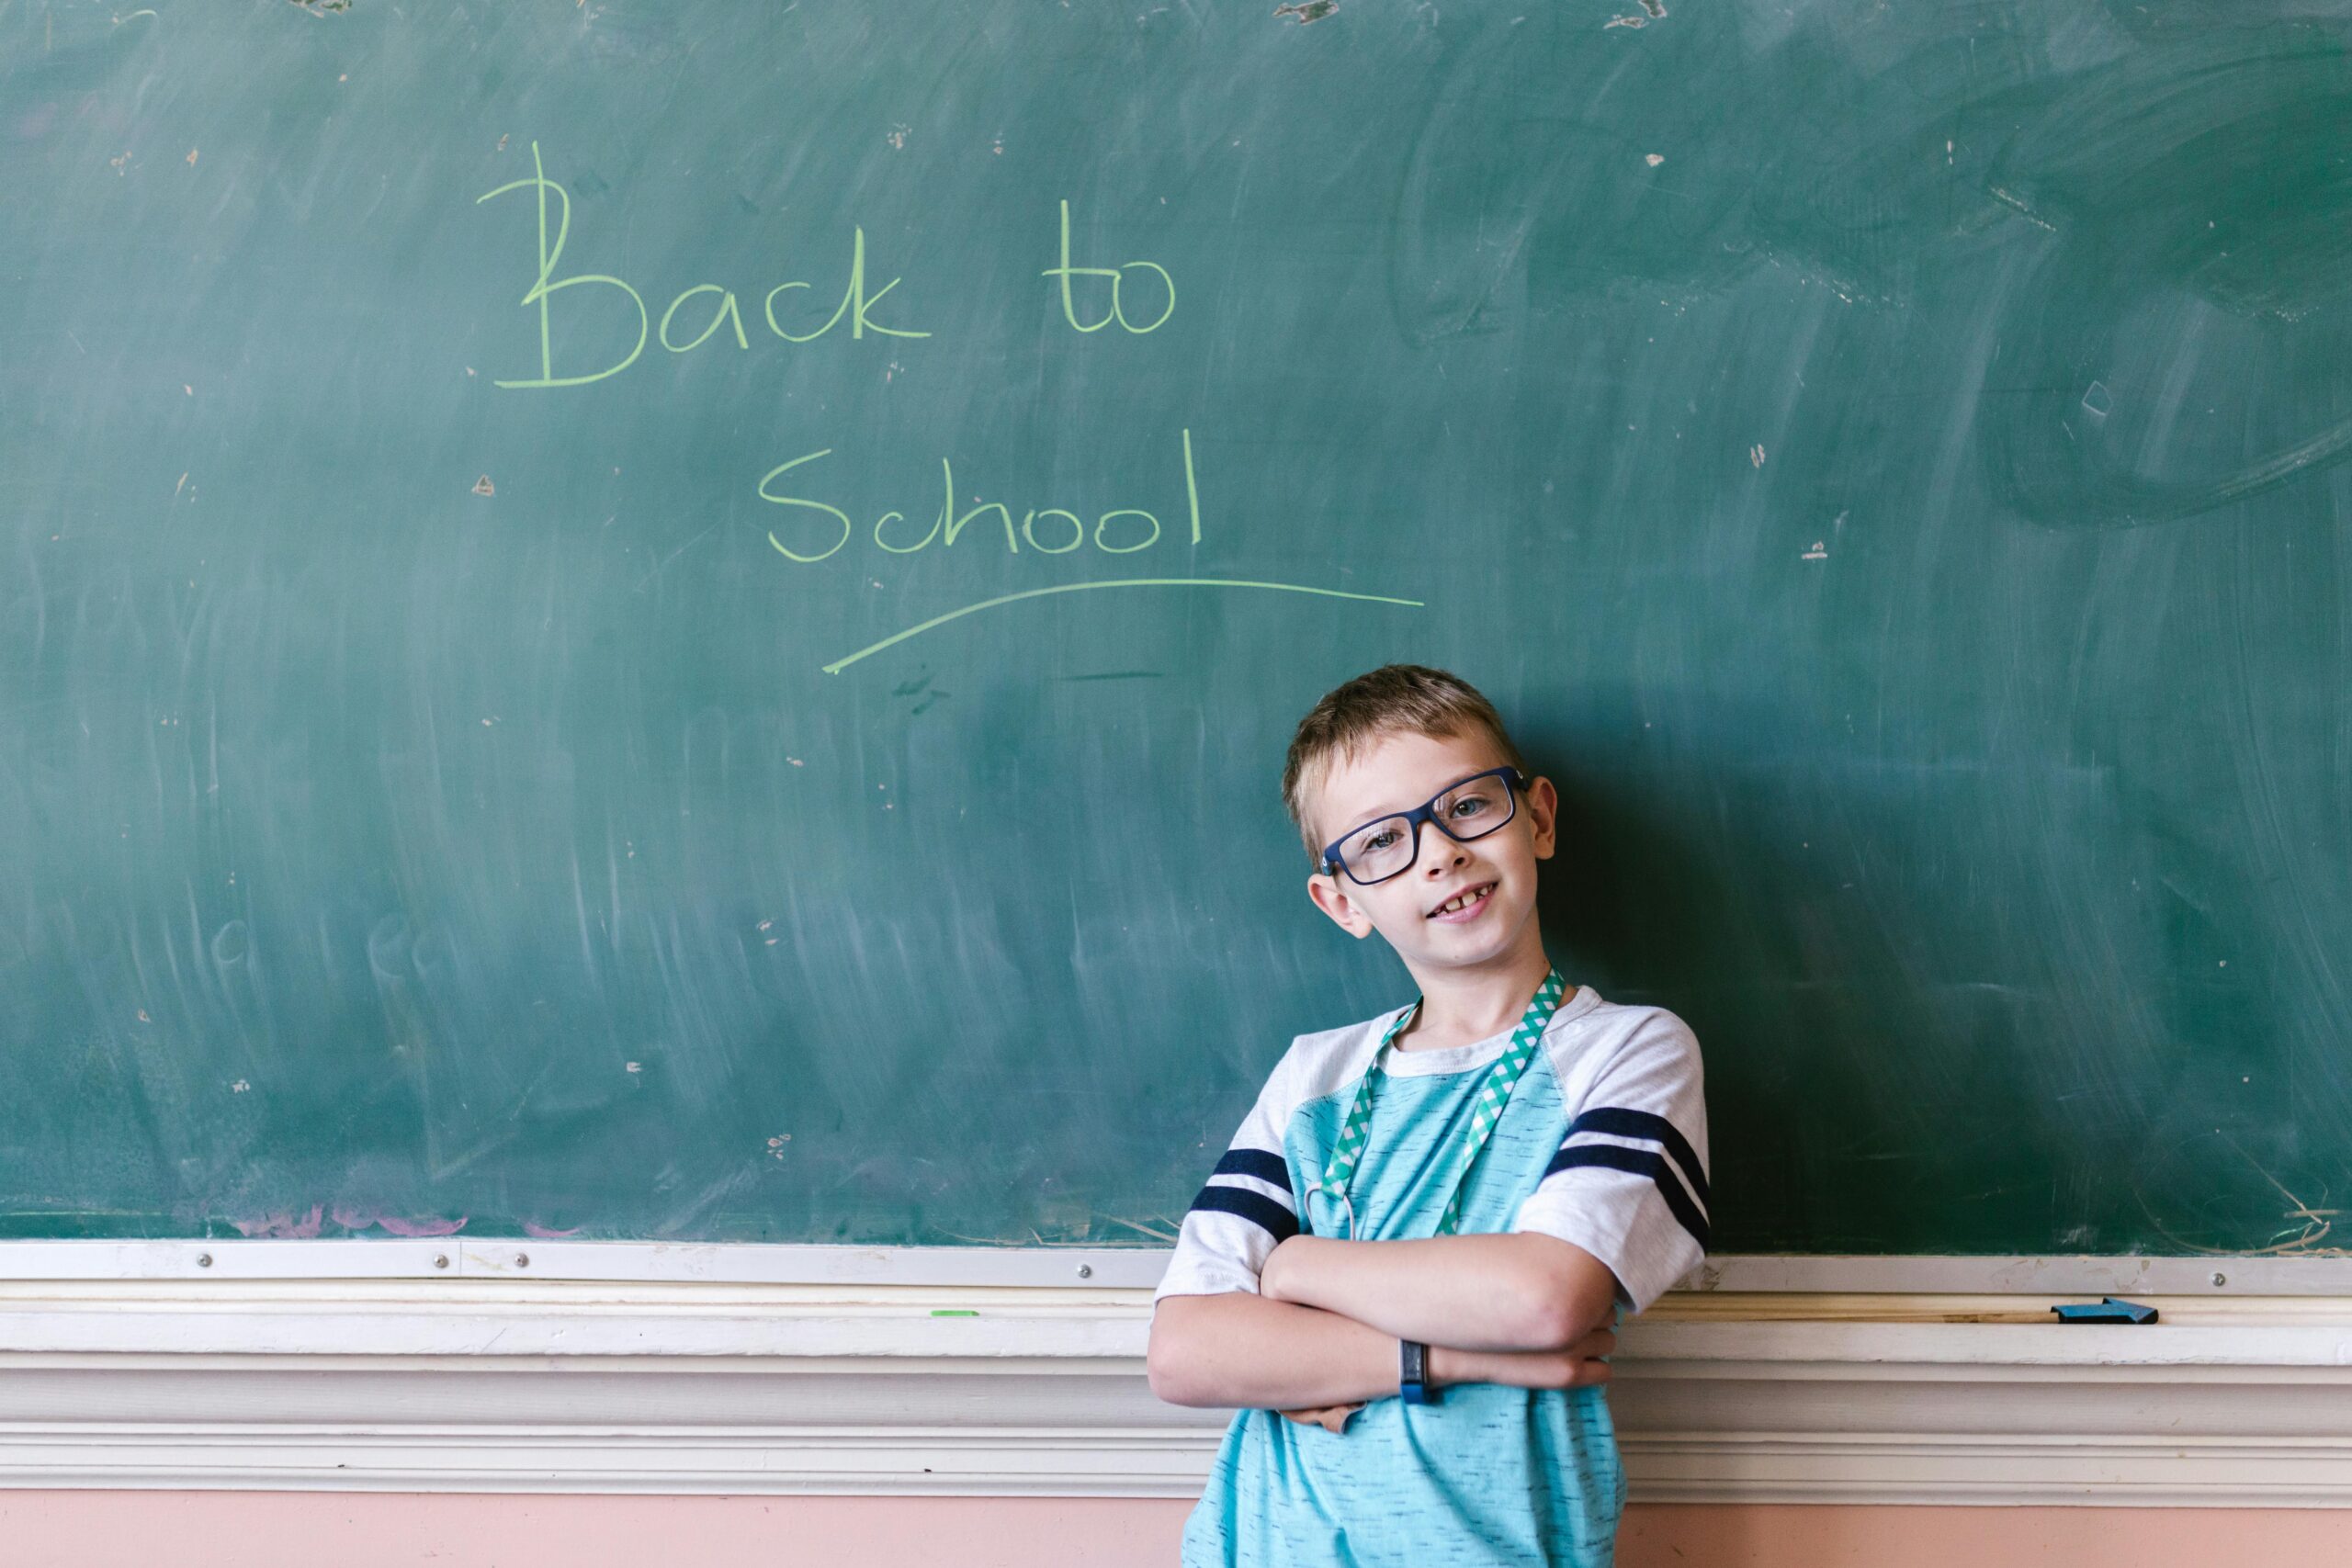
(1578, 1366)
(1332, 1418)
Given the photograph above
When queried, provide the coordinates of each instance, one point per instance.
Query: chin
(1466, 953)
(1471, 959)
(1488, 945)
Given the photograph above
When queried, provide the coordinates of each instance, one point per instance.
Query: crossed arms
(1519, 1308)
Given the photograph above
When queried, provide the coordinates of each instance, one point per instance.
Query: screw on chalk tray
(1086, 1271)
(522, 1260)
(204, 1260)
(440, 1260)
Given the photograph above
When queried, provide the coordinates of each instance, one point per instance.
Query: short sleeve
(1629, 1181)
(1246, 1207)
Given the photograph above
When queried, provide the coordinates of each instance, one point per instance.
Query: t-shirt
(1603, 1144)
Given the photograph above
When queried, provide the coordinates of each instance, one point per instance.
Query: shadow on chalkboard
(1635, 910)
(1806, 919)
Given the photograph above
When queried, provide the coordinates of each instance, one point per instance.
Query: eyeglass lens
(1467, 811)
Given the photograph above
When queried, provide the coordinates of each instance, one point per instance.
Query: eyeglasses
(1465, 809)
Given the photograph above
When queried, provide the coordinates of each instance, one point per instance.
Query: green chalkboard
(608, 626)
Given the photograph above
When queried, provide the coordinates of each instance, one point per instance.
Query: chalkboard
(678, 620)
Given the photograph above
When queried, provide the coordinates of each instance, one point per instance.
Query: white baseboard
(482, 1385)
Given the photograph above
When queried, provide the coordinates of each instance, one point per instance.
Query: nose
(1440, 854)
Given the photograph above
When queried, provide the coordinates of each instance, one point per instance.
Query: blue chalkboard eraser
(2107, 1309)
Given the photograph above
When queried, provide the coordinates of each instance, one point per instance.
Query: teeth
(1460, 901)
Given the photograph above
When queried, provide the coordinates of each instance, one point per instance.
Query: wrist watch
(1413, 1373)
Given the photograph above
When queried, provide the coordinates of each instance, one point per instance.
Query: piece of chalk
(2107, 1309)
(954, 1312)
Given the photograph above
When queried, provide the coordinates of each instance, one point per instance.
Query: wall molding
(498, 1384)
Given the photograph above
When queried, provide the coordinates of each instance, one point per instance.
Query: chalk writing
(547, 285)
(724, 311)
(1114, 532)
(1118, 312)
(854, 299)
(838, 665)
(818, 530)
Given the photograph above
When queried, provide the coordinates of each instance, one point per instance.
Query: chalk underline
(838, 665)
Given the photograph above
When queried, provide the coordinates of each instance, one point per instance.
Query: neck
(1459, 1005)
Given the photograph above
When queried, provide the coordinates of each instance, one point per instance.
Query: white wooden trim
(452, 1258)
(661, 1262)
(483, 1384)
(2218, 1274)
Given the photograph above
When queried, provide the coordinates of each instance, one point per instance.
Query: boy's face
(1398, 773)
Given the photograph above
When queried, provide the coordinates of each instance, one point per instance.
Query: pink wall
(306, 1530)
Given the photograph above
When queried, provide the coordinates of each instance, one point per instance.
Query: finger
(1335, 1420)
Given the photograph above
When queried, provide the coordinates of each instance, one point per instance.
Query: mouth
(1465, 905)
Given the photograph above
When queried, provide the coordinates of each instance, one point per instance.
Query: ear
(1330, 896)
(1544, 815)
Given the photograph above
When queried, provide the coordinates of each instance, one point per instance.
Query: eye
(1380, 840)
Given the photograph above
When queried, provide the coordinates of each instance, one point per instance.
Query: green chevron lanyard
(1493, 1095)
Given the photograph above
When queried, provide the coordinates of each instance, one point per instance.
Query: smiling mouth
(1469, 900)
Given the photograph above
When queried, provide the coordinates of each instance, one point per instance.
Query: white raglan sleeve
(1629, 1181)
(1246, 1207)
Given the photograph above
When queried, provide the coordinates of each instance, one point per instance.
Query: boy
(1416, 1245)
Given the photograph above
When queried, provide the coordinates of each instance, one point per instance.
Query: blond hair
(1396, 699)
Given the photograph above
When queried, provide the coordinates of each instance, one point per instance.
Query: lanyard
(1493, 1095)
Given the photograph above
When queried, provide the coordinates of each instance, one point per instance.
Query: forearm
(1246, 1351)
(1476, 1292)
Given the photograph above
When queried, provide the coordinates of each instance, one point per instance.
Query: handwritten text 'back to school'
(1138, 296)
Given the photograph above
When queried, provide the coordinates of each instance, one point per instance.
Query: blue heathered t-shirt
(1602, 1145)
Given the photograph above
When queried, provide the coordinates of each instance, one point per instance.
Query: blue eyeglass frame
(1330, 865)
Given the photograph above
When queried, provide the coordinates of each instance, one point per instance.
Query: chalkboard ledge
(506, 1384)
(658, 1262)
(646, 1262)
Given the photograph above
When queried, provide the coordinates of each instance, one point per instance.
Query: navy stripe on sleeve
(1637, 1162)
(1251, 1205)
(1618, 1122)
(1269, 1168)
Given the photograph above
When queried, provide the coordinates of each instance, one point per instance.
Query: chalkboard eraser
(2107, 1309)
